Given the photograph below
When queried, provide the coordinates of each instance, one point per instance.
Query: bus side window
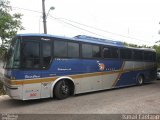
(150, 56)
(96, 51)
(126, 54)
(30, 55)
(138, 55)
(86, 51)
(110, 52)
(73, 50)
(90, 51)
(146, 56)
(60, 49)
(46, 54)
(107, 53)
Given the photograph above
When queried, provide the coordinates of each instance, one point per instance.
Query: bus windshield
(13, 55)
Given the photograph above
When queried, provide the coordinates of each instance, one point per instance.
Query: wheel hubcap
(140, 80)
(65, 89)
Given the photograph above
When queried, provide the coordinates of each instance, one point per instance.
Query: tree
(9, 23)
(157, 48)
(130, 45)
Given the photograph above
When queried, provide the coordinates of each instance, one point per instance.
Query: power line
(94, 28)
(79, 27)
(27, 9)
(82, 25)
(102, 30)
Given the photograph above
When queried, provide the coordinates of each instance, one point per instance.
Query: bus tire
(62, 90)
(140, 80)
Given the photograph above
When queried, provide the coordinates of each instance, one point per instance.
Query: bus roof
(89, 39)
(99, 40)
(82, 38)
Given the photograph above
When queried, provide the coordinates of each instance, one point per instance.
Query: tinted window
(60, 49)
(96, 51)
(126, 53)
(73, 50)
(90, 51)
(154, 56)
(110, 52)
(146, 56)
(138, 55)
(30, 55)
(46, 54)
(115, 53)
(107, 53)
(86, 50)
(149, 56)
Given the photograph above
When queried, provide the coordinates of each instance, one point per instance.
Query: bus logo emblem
(101, 66)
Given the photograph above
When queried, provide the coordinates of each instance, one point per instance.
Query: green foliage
(2, 92)
(131, 45)
(9, 23)
(157, 48)
(136, 46)
(2, 52)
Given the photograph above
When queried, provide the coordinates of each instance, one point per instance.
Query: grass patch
(2, 92)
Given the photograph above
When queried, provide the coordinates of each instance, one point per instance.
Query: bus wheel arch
(68, 83)
(140, 79)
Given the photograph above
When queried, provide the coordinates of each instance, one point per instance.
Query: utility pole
(44, 17)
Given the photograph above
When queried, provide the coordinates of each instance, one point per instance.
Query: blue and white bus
(43, 66)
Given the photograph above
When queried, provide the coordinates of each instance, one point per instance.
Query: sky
(131, 21)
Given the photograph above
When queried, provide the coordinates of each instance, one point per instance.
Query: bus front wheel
(62, 90)
(140, 80)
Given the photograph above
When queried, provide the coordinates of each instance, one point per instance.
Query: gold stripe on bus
(121, 71)
(92, 74)
(31, 81)
(40, 80)
(77, 76)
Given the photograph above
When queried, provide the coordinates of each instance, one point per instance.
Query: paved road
(132, 100)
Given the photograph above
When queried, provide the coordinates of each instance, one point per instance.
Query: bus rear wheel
(140, 80)
(62, 90)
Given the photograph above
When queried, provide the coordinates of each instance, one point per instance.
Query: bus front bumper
(13, 91)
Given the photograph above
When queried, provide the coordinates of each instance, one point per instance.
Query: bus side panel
(64, 67)
(100, 79)
(88, 84)
(127, 78)
(130, 74)
(32, 91)
(109, 80)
